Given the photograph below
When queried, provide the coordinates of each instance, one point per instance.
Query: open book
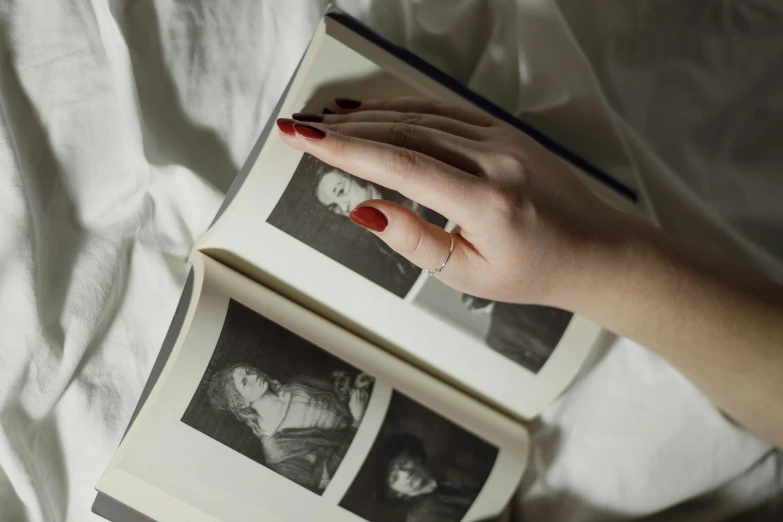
(316, 374)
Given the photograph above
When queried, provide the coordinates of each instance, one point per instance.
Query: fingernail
(285, 125)
(369, 217)
(308, 131)
(347, 103)
(306, 116)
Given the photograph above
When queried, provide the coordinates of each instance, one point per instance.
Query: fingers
(417, 105)
(443, 188)
(417, 240)
(432, 121)
(464, 154)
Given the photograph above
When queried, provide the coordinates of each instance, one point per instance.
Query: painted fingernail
(309, 132)
(286, 126)
(369, 217)
(307, 116)
(347, 103)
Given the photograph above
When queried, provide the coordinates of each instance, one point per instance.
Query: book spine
(454, 85)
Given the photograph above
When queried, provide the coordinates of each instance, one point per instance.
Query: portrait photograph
(421, 467)
(526, 334)
(314, 209)
(279, 400)
(452, 306)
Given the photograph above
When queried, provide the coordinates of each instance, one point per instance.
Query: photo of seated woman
(314, 209)
(279, 400)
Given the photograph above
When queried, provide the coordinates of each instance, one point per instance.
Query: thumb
(417, 240)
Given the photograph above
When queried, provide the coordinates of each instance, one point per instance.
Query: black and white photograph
(526, 334)
(454, 307)
(279, 399)
(314, 209)
(421, 467)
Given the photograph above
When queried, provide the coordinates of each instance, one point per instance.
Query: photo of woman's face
(250, 385)
(342, 193)
(409, 478)
(315, 210)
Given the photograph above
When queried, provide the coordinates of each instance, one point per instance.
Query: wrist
(600, 262)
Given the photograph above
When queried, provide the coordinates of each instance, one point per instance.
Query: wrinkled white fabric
(123, 123)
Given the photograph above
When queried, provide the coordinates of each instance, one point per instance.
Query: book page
(268, 411)
(290, 224)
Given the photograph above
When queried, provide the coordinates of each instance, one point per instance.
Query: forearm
(721, 327)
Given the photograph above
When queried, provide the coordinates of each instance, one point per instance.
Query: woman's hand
(357, 404)
(529, 232)
(528, 229)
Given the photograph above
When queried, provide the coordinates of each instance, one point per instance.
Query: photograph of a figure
(526, 334)
(314, 209)
(279, 399)
(421, 467)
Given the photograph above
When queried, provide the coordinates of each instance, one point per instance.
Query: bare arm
(529, 232)
(720, 326)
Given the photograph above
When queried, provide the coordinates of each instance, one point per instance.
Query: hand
(363, 381)
(530, 232)
(325, 478)
(357, 404)
(527, 228)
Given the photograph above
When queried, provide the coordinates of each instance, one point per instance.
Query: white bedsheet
(121, 125)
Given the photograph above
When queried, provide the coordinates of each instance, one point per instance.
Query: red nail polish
(347, 103)
(306, 116)
(286, 126)
(369, 217)
(308, 131)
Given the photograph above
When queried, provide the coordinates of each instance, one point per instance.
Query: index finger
(445, 189)
(430, 106)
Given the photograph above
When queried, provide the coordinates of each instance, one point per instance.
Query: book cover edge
(460, 89)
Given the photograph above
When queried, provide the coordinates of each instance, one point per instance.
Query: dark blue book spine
(449, 82)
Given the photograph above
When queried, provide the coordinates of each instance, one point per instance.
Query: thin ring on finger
(433, 273)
